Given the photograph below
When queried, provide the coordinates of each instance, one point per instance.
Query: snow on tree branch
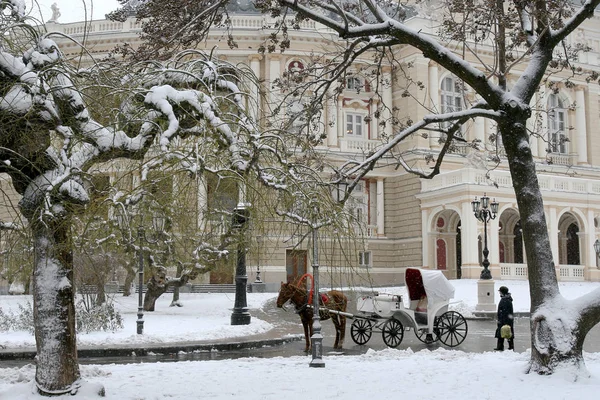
(586, 11)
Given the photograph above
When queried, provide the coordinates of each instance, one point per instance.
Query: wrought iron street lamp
(317, 337)
(240, 314)
(485, 211)
(597, 249)
(258, 243)
(158, 223)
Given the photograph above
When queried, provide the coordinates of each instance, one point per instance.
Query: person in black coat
(505, 317)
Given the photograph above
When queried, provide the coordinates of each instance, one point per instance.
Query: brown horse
(332, 300)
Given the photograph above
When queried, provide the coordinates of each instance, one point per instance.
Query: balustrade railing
(564, 272)
(359, 145)
(513, 271)
(570, 273)
(557, 183)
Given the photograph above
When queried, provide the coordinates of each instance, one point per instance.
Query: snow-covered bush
(98, 318)
(17, 321)
(102, 317)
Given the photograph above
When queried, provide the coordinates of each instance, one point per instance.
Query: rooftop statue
(55, 13)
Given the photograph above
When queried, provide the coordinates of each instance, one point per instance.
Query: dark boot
(511, 344)
(500, 345)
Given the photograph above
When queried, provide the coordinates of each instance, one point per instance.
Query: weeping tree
(530, 36)
(188, 112)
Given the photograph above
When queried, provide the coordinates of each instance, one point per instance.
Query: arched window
(557, 125)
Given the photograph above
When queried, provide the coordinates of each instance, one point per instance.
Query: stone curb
(163, 348)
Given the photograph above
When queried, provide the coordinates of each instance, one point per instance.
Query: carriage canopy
(431, 283)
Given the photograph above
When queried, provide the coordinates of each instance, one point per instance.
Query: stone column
(388, 105)
(373, 123)
(341, 124)
(331, 120)
(468, 242)
(553, 228)
(380, 207)
(274, 73)
(590, 238)
(581, 127)
(254, 108)
(494, 246)
(425, 239)
(479, 127)
(543, 139)
(434, 97)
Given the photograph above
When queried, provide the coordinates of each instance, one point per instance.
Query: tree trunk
(57, 370)
(100, 294)
(175, 301)
(153, 292)
(158, 284)
(128, 280)
(553, 341)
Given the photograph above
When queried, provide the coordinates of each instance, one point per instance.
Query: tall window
(451, 97)
(353, 83)
(354, 125)
(358, 203)
(557, 125)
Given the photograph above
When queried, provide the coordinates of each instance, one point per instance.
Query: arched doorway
(569, 246)
(445, 243)
(510, 237)
(573, 245)
(518, 243)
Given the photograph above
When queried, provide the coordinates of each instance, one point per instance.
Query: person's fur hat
(503, 290)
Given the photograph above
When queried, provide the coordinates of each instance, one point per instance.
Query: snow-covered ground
(439, 374)
(203, 317)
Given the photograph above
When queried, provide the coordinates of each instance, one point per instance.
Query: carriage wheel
(361, 330)
(392, 332)
(421, 334)
(451, 328)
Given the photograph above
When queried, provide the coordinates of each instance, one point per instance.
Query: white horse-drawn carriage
(388, 314)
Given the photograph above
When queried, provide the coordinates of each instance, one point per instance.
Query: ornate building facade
(408, 221)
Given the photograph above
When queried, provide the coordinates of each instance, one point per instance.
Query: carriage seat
(421, 310)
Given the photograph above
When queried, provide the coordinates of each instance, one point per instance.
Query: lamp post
(258, 242)
(158, 223)
(485, 211)
(316, 338)
(140, 313)
(597, 249)
(240, 314)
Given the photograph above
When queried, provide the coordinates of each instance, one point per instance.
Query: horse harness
(324, 299)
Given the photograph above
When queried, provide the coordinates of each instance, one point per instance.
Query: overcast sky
(73, 10)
